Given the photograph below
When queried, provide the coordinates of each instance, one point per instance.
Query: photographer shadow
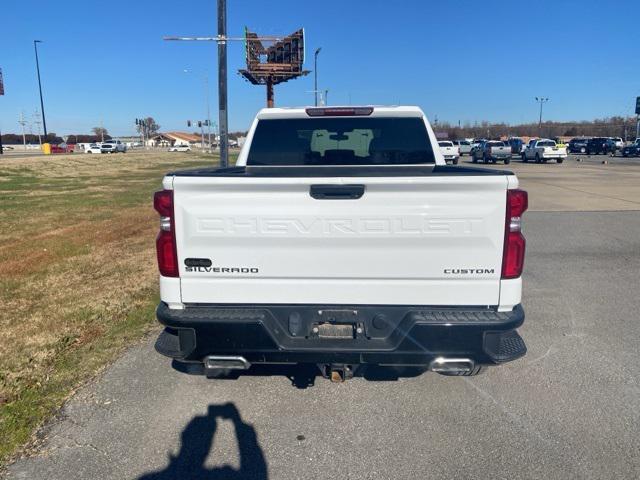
(197, 442)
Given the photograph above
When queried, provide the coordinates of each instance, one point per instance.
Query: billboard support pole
(270, 101)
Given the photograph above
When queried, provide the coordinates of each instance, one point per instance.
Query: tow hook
(337, 373)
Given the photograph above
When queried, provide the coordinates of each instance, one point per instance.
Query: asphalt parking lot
(569, 409)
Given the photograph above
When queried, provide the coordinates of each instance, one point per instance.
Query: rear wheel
(560, 160)
(537, 158)
(455, 161)
(507, 161)
(583, 150)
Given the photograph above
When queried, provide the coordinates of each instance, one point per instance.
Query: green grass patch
(37, 402)
(70, 313)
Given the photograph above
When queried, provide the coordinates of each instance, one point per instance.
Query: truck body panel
(407, 240)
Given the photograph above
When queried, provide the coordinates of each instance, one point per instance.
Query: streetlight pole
(541, 101)
(44, 121)
(315, 74)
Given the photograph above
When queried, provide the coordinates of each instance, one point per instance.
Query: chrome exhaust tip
(452, 366)
(221, 362)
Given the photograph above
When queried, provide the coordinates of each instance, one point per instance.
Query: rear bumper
(386, 335)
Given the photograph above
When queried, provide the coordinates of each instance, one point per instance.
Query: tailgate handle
(336, 192)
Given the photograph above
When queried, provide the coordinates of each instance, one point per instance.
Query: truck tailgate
(427, 240)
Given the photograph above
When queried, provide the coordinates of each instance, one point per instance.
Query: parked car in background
(618, 142)
(577, 145)
(632, 150)
(449, 151)
(113, 146)
(543, 149)
(476, 143)
(464, 146)
(598, 145)
(560, 143)
(516, 144)
(492, 151)
(612, 146)
(58, 148)
(93, 148)
(180, 148)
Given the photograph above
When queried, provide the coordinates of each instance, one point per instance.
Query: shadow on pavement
(197, 442)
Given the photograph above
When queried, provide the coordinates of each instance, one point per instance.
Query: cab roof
(378, 111)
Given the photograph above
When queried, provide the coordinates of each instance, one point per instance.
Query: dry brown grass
(77, 273)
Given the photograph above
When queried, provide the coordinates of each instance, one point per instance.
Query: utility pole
(23, 122)
(222, 84)
(44, 121)
(101, 130)
(315, 73)
(38, 122)
(541, 101)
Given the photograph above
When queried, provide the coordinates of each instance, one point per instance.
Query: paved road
(569, 409)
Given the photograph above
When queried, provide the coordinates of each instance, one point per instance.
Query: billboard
(276, 63)
(1, 83)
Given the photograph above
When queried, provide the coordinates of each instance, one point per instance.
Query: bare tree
(100, 132)
(148, 126)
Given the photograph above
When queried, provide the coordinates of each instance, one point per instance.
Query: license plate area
(337, 325)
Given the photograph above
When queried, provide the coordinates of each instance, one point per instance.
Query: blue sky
(461, 60)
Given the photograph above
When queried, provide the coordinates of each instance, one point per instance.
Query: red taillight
(514, 243)
(166, 241)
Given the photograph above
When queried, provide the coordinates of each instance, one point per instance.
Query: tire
(474, 159)
(524, 158)
(455, 161)
(507, 161)
(484, 158)
(537, 158)
(583, 150)
(560, 160)
(89, 152)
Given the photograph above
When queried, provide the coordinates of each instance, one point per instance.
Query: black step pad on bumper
(504, 346)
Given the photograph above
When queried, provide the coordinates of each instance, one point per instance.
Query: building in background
(169, 139)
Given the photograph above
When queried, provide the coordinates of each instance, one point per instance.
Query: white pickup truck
(542, 150)
(340, 238)
(450, 152)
